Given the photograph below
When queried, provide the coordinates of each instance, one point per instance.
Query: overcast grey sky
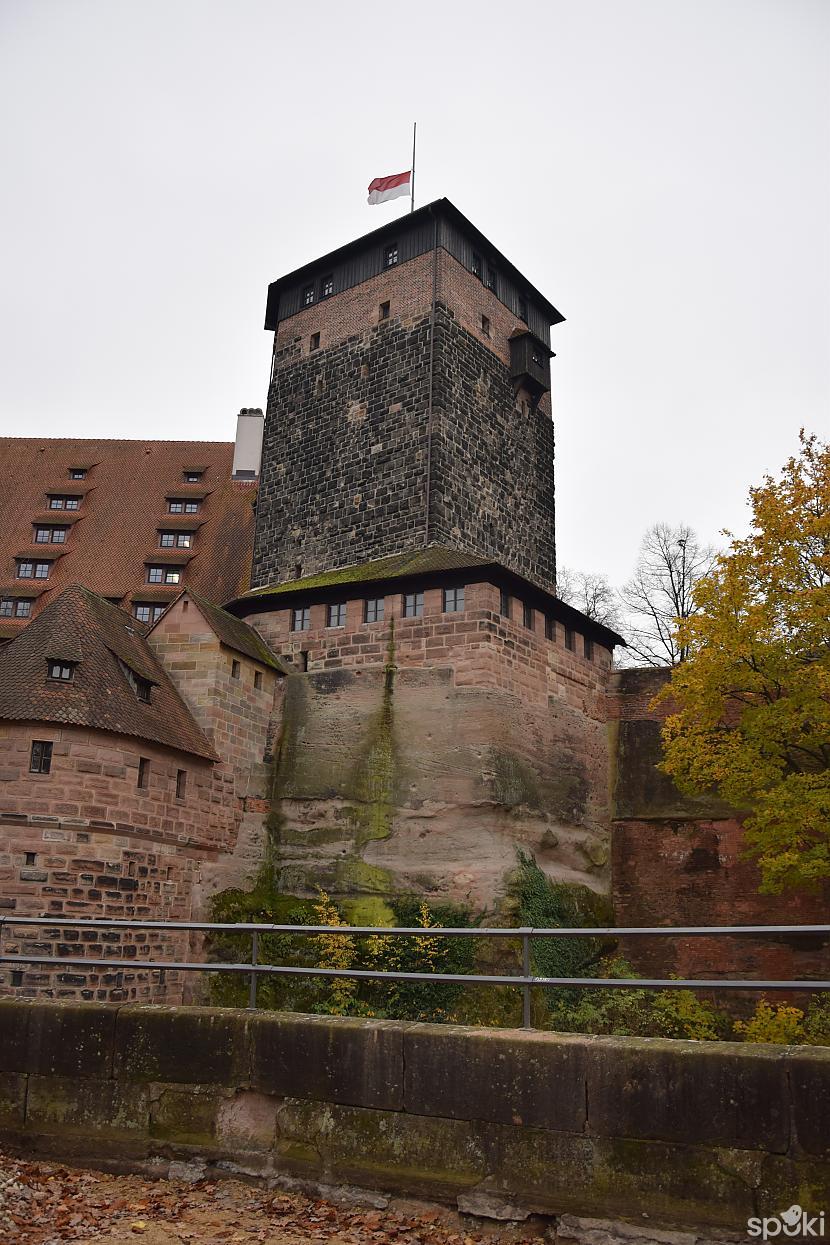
(660, 169)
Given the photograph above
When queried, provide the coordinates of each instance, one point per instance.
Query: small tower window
(390, 255)
(570, 639)
(236, 669)
(314, 343)
(143, 780)
(258, 680)
(485, 325)
(493, 281)
(181, 783)
(475, 265)
(327, 287)
(550, 628)
(453, 600)
(373, 609)
(383, 311)
(504, 603)
(308, 295)
(301, 618)
(40, 759)
(527, 616)
(413, 604)
(337, 615)
(588, 648)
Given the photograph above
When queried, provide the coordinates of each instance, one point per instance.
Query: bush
(772, 1023)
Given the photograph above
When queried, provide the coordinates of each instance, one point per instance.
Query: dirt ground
(47, 1204)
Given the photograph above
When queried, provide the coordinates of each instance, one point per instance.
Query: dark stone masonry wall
(497, 1122)
(344, 454)
(492, 459)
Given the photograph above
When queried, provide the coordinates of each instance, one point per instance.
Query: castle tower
(444, 706)
(409, 406)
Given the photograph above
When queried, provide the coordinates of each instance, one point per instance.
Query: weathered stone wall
(417, 754)
(379, 440)
(503, 1123)
(678, 860)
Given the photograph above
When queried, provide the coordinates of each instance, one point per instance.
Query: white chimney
(247, 452)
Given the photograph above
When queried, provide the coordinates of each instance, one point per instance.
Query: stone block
(185, 1116)
(720, 1093)
(809, 1077)
(71, 1039)
(12, 1099)
(376, 1149)
(98, 1110)
(184, 1045)
(340, 1059)
(506, 1077)
(14, 1035)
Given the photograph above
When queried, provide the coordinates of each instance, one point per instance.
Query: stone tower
(409, 406)
(445, 707)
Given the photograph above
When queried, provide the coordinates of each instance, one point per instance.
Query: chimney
(247, 451)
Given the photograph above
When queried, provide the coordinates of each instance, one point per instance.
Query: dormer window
(141, 686)
(175, 540)
(308, 295)
(390, 255)
(62, 502)
(193, 477)
(327, 287)
(177, 505)
(50, 535)
(61, 671)
(32, 570)
(77, 473)
(163, 575)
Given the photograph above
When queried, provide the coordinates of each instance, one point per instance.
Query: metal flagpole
(412, 196)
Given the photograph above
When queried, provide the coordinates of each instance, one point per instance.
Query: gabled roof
(232, 632)
(80, 627)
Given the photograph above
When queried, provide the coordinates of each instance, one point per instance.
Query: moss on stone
(513, 780)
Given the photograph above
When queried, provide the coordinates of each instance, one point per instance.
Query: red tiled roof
(115, 532)
(80, 627)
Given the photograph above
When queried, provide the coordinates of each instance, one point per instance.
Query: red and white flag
(382, 189)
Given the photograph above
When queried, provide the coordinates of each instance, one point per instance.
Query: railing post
(526, 1022)
(254, 953)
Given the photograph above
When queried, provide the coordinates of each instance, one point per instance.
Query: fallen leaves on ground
(48, 1204)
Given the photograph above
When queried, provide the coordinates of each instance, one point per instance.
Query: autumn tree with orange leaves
(753, 695)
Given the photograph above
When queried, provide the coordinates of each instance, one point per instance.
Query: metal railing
(525, 981)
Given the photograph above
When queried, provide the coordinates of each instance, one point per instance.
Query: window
(588, 648)
(143, 773)
(308, 295)
(453, 600)
(301, 619)
(19, 608)
(523, 309)
(145, 612)
(258, 680)
(178, 506)
(570, 639)
(550, 628)
(191, 507)
(337, 615)
(40, 761)
(7, 608)
(167, 540)
(43, 535)
(492, 281)
(30, 858)
(236, 669)
(383, 311)
(475, 265)
(23, 608)
(181, 783)
(141, 686)
(373, 609)
(527, 616)
(77, 473)
(64, 503)
(315, 341)
(155, 574)
(32, 570)
(538, 359)
(327, 287)
(172, 575)
(62, 671)
(413, 604)
(193, 477)
(175, 540)
(390, 255)
(17, 977)
(485, 325)
(504, 603)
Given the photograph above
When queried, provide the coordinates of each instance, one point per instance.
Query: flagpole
(412, 198)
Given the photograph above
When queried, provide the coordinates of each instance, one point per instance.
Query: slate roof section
(79, 626)
(124, 505)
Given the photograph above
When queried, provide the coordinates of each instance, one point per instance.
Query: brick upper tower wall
(379, 440)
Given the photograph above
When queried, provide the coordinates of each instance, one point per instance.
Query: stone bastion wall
(504, 1123)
